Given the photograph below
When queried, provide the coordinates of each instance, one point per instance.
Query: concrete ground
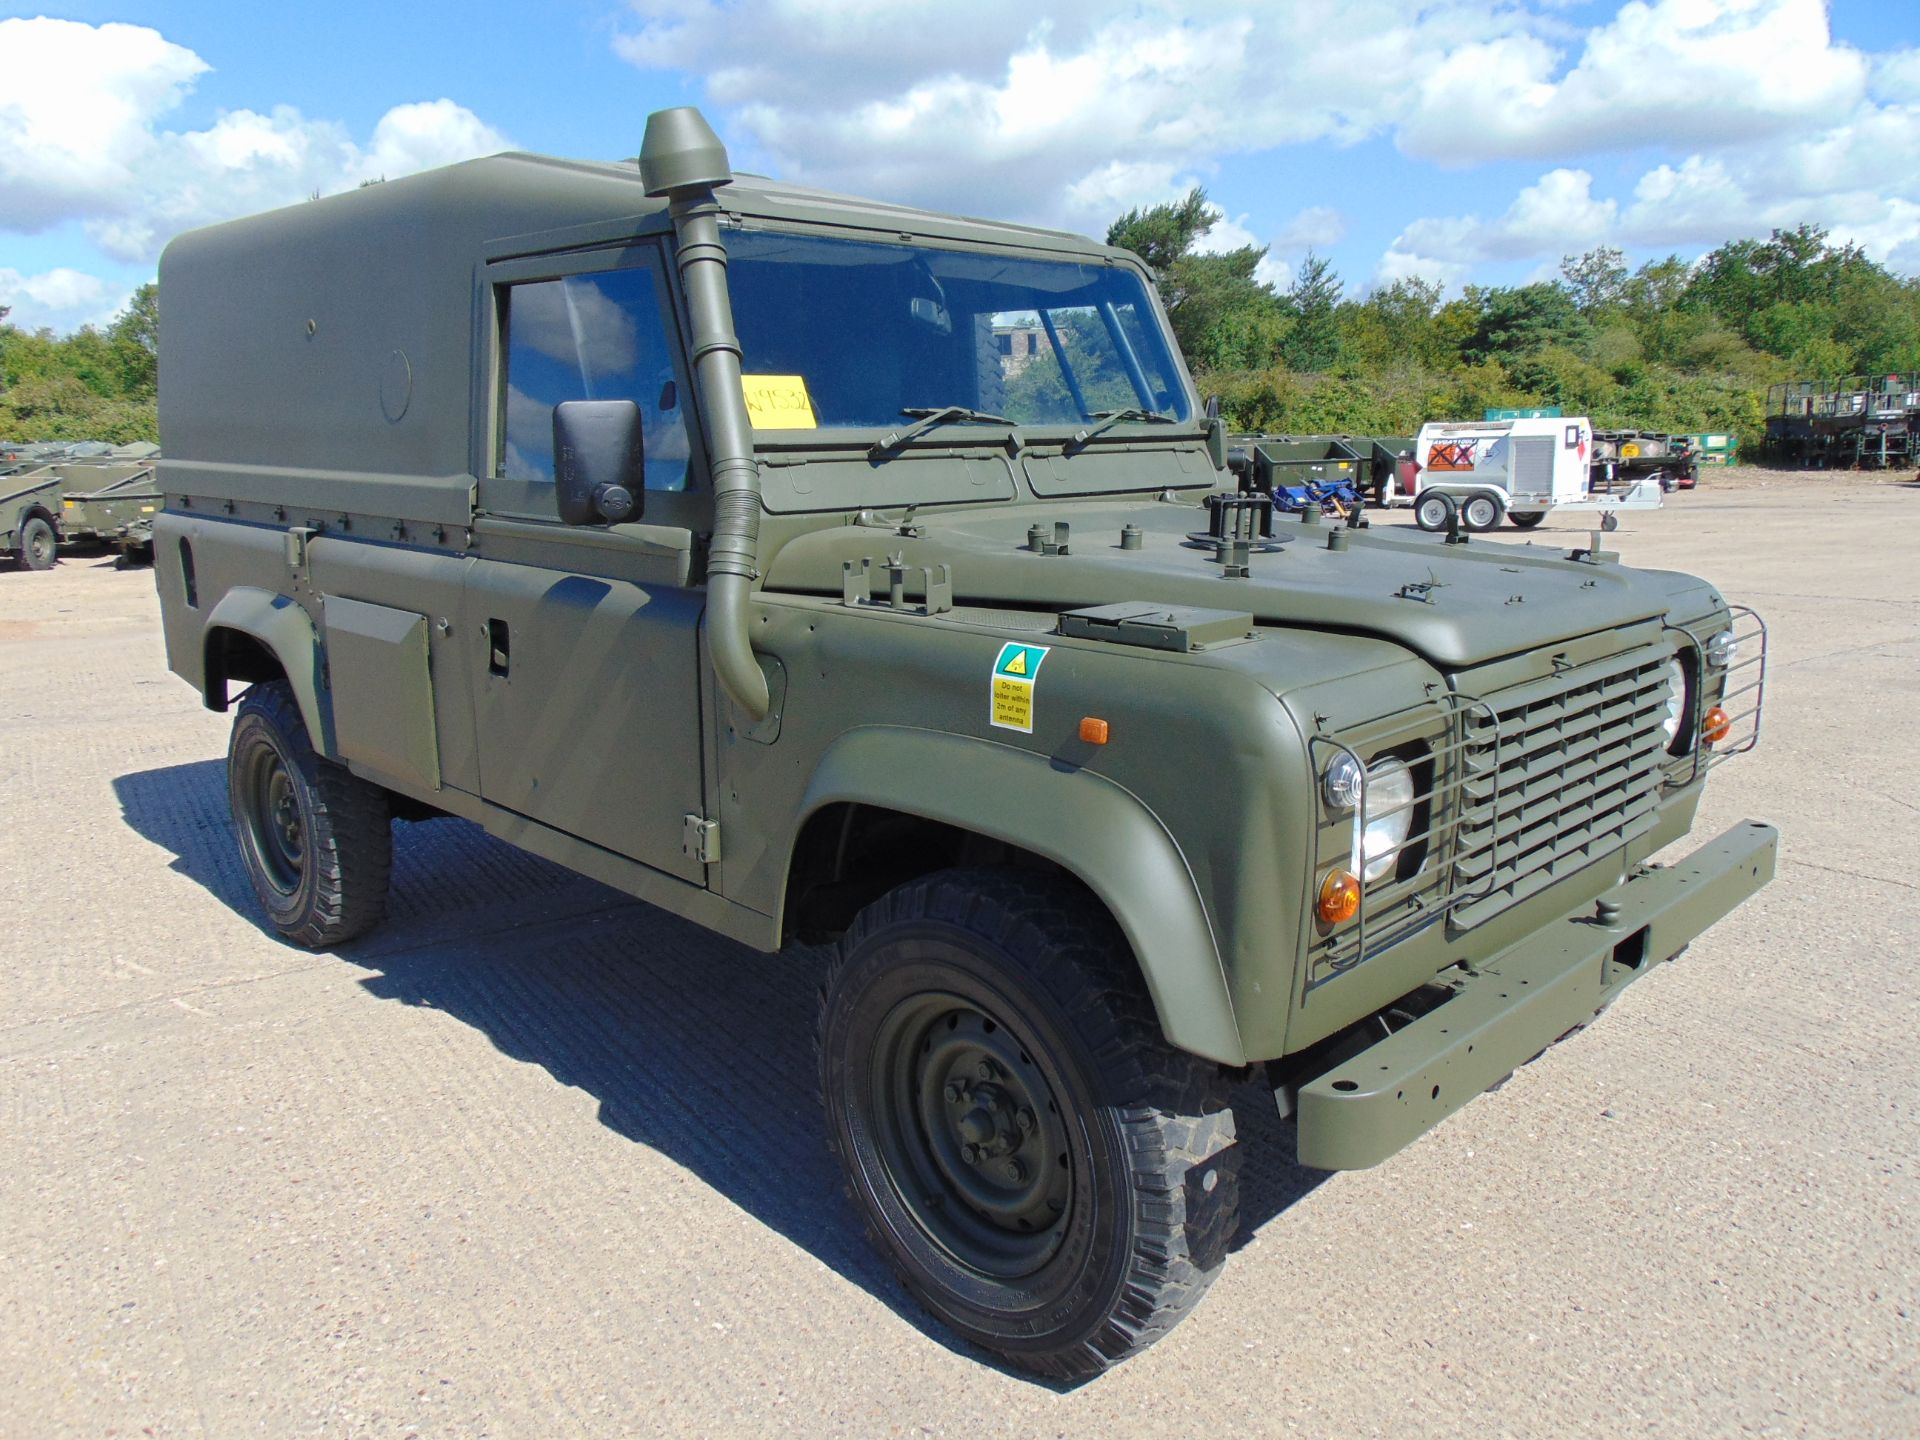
(535, 1160)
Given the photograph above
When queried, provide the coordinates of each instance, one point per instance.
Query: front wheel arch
(1100, 835)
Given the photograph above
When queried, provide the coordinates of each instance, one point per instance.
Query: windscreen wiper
(1109, 418)
(929, 417)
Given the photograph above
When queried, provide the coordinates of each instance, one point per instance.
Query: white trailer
(1519, 469)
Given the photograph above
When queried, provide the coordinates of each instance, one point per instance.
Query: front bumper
(1520, 1001)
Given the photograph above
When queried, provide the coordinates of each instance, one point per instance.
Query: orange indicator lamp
(1339, 897)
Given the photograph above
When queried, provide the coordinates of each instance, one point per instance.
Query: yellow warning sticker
(778, 402)
(1014, 674)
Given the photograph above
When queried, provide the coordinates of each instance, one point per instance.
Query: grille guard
(1736, 685)
(1512, 829)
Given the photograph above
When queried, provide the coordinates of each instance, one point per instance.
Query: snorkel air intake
(682, 159)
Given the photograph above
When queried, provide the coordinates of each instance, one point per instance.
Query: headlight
(1389, 816)
(1676, 702)
(1722, 649)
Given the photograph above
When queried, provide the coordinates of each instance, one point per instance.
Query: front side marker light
(1722, 649)
(1343, 782)
(1339, 897)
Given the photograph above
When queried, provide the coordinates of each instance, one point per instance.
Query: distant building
(1018, 345)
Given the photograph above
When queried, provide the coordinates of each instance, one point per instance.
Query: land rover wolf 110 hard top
(824, 570)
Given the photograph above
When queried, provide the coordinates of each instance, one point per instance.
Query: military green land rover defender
(823, 570)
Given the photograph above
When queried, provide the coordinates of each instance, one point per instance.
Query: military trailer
(694, 531)
(112, 501)
(1623, 458)
(1376, 465)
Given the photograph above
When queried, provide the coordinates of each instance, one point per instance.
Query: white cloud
(59, 299)
(1399, 264)
(1669, 73)
(1556, 215)
(1069, 118)
(82, 138)
(1859, 179)
(1064, 120)
(579, 324)
(1314, 228)
(1897, 76)
(1273, 272)
(77, 106)
(1226, 233)
(1072, 118)
(1124, 185)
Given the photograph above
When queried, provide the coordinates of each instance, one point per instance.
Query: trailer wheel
(1433, 510)
(1480, 513)
(1526, 519)
(39, 546)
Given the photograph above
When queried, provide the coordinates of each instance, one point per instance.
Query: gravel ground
(536, 1160)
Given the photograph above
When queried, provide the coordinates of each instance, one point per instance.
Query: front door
(584, 641)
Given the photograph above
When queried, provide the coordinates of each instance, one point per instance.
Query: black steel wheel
(1433, 510)
(1480, 513)
(1526, 519)
(39, 546)
(317, 840)
(1044, 1172)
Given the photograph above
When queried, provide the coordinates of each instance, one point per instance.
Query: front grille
(1521, 787)
(1557, 774)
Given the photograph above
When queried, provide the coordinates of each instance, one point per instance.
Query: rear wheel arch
(256, 636)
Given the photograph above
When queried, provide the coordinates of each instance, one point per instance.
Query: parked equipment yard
(538, 1160)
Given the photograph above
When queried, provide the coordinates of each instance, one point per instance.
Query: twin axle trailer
(1518, 470)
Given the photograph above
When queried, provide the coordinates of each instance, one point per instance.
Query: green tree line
(1671, 346)
(90, 385)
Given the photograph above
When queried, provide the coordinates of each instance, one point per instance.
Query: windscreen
(852, 332)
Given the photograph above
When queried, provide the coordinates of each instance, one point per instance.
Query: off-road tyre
(1433, 510)
(39, 544)
(317, 840)
(1481, 513)
(1030, 975)
(1526, 519)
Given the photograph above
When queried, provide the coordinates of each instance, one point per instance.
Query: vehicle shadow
(692, 1045)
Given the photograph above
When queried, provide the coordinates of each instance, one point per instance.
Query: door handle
(498, 647)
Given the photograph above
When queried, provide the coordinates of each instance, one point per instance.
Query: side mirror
(1217, 441)
(599, 461)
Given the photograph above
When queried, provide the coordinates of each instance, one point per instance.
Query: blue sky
(1458, 142)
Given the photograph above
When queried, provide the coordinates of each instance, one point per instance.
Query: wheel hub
(975, 1134)
(279, 829)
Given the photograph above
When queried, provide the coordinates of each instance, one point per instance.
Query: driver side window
(598, 336)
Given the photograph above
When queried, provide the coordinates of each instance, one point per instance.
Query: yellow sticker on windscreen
(778, 402)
